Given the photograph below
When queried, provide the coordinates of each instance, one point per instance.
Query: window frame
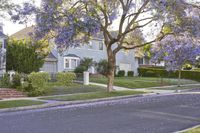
(70, 62)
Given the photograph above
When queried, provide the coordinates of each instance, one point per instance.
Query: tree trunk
(179, 78)
(111, 70)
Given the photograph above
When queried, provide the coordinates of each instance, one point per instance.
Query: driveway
(151, 114)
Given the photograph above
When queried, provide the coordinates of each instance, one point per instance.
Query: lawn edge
(185, 130)
(67, 103)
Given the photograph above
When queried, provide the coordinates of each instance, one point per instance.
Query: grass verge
(195, 130)
(18, 103)
(142, 82)
(55, 89)
(95, 95)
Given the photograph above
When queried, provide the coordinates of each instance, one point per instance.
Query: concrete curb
(185, 130)
(65, 103)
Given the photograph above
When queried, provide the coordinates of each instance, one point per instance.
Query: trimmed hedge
(130, 73)
(65, 78)
(121, 73)
(39, 79)
(154, 72)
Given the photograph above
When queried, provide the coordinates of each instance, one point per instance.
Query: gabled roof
(24, 33)
(51, 56)
(71, 55)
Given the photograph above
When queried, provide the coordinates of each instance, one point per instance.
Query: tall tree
(71, 22)
(24, 56)
(176, 51)
(5, 6)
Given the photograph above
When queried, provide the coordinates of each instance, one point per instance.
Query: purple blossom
(176, 51)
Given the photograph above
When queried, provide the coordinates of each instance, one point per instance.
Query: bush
(185, 74)
(38, 79)
(85, 64)
(5, 81)
(130, 73)
(37, 83)
(121, 73)
(65, 78)
(187, 67)
(150, 73)
(80, 69)
(16, 82)
(102, 67)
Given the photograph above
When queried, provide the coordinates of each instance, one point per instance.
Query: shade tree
(72, 22)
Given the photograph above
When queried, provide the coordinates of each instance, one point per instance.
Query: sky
(10, 27)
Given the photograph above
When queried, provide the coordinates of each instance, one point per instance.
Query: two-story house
(3, 38)
(95, 49)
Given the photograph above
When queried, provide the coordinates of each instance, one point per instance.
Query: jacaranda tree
(6, 6)
(72, 22)
(176, 51)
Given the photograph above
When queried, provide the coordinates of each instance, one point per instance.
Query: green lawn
(18, 103)
(56, 89)
(142, 82)
(94, 95)
(196, 130)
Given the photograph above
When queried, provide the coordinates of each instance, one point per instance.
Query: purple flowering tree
(6, 6)
(73, 22)
(176, 52)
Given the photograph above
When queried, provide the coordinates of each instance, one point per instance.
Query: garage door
(50, 67)
(125, 66)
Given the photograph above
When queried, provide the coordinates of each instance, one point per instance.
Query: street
(150, 114)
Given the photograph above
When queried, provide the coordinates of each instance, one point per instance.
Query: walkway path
(151, 89)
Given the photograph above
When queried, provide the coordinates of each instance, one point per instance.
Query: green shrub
(130, 73)
(121, 73)
(38, 79)
(5, 81)
(16, 82)
(187, 67)
(37, 83)
(80, 69)
(102, 67)
(65, 78)
(185, 74)
(150, 73)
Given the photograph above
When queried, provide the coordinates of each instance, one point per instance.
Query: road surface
(151, 114)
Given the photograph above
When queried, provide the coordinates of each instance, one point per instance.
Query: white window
(71, 62)
(66, 63)
(140, 61)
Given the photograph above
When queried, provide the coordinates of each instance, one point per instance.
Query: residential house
(3, 38)
(95, 49)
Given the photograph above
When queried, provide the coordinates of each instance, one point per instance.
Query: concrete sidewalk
(150, 89)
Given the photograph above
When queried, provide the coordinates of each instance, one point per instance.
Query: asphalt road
(152, 114)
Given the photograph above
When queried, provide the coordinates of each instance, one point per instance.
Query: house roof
(51, 55)
(71, 55)
(24, 33)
